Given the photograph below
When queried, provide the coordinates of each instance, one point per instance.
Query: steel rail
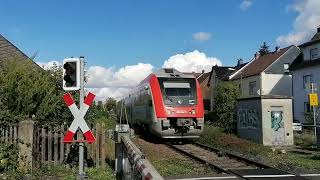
(240, 158)
(231, 156)
(218, 168)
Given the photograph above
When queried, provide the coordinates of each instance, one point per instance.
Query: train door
(149, 105)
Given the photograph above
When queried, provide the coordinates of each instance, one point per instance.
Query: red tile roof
(259, 65)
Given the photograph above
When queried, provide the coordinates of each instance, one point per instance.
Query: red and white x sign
(79, 118)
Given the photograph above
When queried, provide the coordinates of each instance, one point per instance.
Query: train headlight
(169, 111)
(193, 111)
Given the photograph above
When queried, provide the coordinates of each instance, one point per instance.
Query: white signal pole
(313, 89)
(81, 148)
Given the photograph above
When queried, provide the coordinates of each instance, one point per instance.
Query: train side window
(150, 102)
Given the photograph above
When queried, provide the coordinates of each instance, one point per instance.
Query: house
(305, 70)
(220, 74)
(10, 51)
(264, 109)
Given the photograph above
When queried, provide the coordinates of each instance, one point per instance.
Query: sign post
(81, 148)
(313, 100)
(79, 122)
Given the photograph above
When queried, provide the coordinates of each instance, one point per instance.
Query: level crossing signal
(71, 74)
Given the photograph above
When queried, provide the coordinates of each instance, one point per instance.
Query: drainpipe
(261, 83)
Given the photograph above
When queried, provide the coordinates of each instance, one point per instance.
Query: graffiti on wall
(276, 120)
(247, 118)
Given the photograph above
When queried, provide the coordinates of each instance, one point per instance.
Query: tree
(110, 104)
(223, 114)
(26, 91)
(264, 49)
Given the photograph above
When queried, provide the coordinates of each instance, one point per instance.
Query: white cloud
(245, 5)
(48, 65)
(304, 25)
(202, 36)
(193, 61)
(107, 82)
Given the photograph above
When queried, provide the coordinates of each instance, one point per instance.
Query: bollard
(25, 145)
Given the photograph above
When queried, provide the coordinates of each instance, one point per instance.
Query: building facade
(264, 109)
(305, 70)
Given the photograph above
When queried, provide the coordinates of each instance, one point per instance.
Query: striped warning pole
(79, 118)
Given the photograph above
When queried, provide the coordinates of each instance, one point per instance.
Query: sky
(124, 41)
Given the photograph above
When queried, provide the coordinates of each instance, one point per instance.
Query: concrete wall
(249, 119)
(268, 131)
(276, 84)
(300, 94)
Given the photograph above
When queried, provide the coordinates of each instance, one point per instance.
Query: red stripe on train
(200, 108)
(157, 97)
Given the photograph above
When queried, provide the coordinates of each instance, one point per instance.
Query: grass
(289, 161)
(100, 173)
(305, 139)
(168, 162)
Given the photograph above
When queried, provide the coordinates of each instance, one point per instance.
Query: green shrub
(223, 114)
(26, 91)
(8, 157)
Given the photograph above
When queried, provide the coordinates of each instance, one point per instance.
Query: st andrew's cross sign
(79, 121)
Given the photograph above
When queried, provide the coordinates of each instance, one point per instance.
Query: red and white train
(169, 103)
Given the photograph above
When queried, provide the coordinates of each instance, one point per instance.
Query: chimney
(277, 48)
(256, 55)
(202, 71)
(240, 61)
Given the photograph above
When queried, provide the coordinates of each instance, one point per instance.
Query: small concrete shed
(265, 119)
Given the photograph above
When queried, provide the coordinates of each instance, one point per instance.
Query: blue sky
(119, 33)
(124, 41)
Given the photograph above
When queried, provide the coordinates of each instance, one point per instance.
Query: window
(286, 67)
(253, 88)
(307, 79)
(314, 54)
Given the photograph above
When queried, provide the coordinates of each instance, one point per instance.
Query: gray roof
(171, 72)
(223, 72)
(313, 40)
(10, 51)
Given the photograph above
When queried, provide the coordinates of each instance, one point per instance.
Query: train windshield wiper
(165, 94)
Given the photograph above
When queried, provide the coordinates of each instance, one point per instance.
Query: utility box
(265, 119)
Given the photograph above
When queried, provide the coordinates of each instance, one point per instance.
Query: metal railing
(130, 163)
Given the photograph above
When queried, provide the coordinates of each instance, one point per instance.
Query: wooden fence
(47, 146)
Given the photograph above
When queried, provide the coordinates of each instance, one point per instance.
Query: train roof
(171, 72)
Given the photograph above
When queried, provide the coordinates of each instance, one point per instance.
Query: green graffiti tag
(276, 120)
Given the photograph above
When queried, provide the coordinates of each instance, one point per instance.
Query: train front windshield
(178, 91)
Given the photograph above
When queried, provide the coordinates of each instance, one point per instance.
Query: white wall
(276, 84)
(306, 51)
(300, 94)
(245, 85)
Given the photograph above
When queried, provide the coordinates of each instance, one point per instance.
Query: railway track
(230, 164)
